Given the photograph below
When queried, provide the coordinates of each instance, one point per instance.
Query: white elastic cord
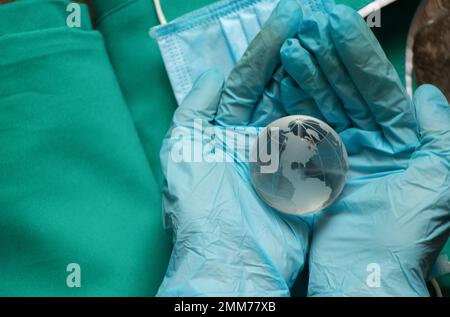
(159, 12)
(374, 7)
(437, 288)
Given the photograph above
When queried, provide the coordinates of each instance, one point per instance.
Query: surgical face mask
(213, 37)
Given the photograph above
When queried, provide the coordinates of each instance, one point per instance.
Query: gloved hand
(385, 232)
(227, 242)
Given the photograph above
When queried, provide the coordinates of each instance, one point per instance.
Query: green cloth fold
(76, 186)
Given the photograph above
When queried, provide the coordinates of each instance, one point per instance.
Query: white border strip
(159, 11)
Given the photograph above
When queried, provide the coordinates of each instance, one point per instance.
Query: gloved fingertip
(429, 94)
(296, 59)
(291, 49)
(289, 6)
(342, 12)
(432, 110)
(287, 18)
(313, 32)
(433, 117)
(311, 21)
(343, 19)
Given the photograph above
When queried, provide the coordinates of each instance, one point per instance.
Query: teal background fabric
(53, 15)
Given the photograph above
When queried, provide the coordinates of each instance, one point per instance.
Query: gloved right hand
(385, 232)
(227, 241)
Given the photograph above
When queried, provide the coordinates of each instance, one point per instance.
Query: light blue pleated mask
(215, 36)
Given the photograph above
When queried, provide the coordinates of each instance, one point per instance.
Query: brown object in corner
(432, 46)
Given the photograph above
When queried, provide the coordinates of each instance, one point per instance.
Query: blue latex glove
(227, 242)
(385, 232)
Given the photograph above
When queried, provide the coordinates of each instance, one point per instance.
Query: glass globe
(299, 165)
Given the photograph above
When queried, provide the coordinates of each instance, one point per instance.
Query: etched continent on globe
(312, 166)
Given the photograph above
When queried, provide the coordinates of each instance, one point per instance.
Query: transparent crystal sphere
(299, 165)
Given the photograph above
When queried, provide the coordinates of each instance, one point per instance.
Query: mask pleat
(214, 37)
(235, 36)
(263, 11)
(250, 24)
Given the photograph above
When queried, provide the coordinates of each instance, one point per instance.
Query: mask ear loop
(374, 6)
(159, 12)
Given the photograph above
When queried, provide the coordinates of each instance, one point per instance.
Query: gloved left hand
(227, 242)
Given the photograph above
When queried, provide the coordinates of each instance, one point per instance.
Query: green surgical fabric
(138, 65)
(136, 59)
(75, 184)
